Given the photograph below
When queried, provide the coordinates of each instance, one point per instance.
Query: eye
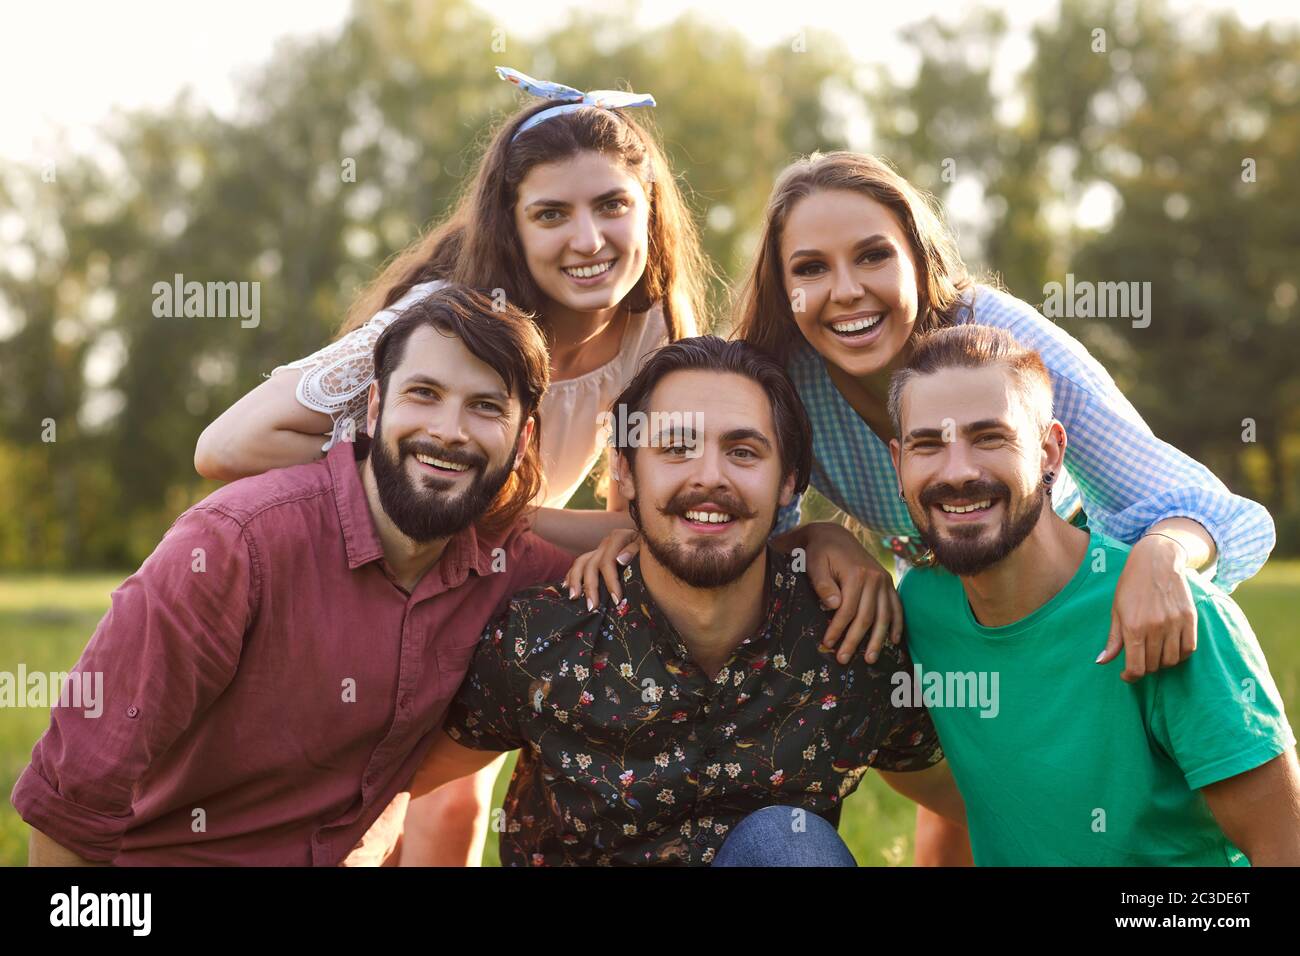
(542, 216)
(807, 268)
(989, 438)
(747, 453)
(674, 450)
(492, 407)
(423, 391)
(877, 255)
(617, 205)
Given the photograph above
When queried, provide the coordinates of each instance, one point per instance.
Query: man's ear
(623, 475)
(1054, 448)
(525, 439)
(787, 491)
(372, 407)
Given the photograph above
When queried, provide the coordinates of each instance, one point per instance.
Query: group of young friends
(326, 660)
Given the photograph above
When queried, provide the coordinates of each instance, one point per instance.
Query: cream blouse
(336, 379)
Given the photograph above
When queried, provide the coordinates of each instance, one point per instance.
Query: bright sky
(65, 63)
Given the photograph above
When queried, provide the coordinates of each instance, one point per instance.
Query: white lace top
(335, 381)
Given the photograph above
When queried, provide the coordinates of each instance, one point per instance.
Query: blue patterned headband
(570, 99)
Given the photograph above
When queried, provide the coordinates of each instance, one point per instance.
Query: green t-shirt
(1062, 763)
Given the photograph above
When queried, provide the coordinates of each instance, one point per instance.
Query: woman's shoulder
(990, 305)
(1063, 354)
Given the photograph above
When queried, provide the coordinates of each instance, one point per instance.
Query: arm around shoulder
(267, 428)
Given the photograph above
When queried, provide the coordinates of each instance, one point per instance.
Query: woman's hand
(607, 562)
(1153, 617)
(851, 582)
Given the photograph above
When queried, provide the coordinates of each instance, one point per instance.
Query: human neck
(407, 560)
(710, 621)
(1031, 575)
(868, 395)
(581, 342)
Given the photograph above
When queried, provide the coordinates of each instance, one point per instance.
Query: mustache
(974, 490)
(411, 446)
(680, 504)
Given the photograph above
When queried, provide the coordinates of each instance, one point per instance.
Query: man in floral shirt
(700, 720)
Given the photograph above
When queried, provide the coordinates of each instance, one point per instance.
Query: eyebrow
(561, 204)
(419, 378)
(984, 424)
(747, 434)
(736, 434)
(870, 240)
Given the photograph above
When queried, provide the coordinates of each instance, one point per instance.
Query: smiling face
(846, 256)
(445, 438)
(970, 463)
(583, 224)
(707, 501)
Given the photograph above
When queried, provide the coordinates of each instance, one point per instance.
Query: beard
(968, 550)
(421, 508)
(704, 564)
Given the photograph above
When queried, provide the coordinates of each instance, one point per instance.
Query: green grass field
(45, 622)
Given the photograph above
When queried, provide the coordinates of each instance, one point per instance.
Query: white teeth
(709, 517)
(587, 272)
(857, 325)
(439, 463)
(965, 509)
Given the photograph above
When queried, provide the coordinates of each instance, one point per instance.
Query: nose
(587, 239)
(958, 466)
(845, 289)
(708, 472)
(446, 423)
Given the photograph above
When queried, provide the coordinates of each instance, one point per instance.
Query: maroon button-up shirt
(267, 687)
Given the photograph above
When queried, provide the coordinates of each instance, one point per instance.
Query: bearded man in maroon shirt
(278, 667)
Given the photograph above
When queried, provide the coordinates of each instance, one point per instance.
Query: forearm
(578, 531)
(231, 459)
(267, 428)
(43, 851)
(447, 761)
(1195, 540)
(932, 788)
(940, 842)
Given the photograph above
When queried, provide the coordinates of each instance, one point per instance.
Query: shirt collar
(465, 552)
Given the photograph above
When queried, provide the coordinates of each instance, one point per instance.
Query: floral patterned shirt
(630, 754)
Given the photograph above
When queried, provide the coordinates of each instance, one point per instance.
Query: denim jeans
(783, 836)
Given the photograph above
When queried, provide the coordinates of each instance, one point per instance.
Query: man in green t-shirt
(1059, 762)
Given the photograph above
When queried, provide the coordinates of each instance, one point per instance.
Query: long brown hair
(508, 342)
(478, 244)
(764, 315)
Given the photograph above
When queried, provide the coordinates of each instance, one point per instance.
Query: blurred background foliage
(1155, 129)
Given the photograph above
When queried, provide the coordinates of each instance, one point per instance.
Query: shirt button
(133, 711)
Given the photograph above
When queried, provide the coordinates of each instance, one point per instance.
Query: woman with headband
(572, 214)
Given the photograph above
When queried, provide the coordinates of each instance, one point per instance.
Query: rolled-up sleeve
(168, 646)
(1129, 478)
